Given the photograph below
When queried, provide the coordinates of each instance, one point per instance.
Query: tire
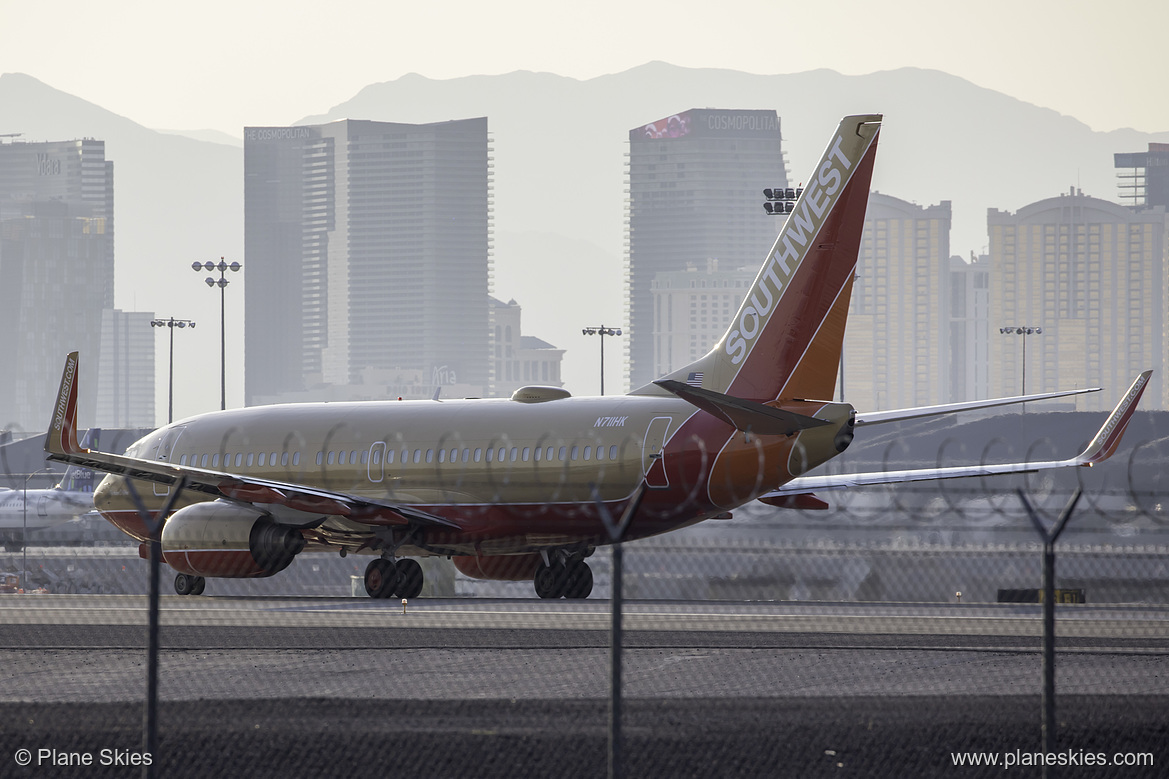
(410, 579)
(580, 582)
(551, 581)
(381, 577)
(184, 585)
(200, 585)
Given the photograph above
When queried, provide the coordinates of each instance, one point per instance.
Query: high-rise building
(1091, 274)
(696, 183)
(367, 247)
(897, 342)
(125, 376)
(1143, 177)
(57, 271)
(969, 328)
(693, 309)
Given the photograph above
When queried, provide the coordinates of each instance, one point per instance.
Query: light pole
(222, 283)
(24, 530)
(601, 331)
(1024, 331)
(172, 323)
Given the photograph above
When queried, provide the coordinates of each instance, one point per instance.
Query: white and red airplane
(519, 488)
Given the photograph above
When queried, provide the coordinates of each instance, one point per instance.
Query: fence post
(153, 526)
(1049, 538)
(616, 532)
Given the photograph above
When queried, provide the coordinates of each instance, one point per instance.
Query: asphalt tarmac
(502, 688)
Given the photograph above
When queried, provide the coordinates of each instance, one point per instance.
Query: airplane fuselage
(514, 476)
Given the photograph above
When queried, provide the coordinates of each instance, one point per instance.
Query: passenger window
(284, 458)
(514, 452)
(263, 459)
(525, 454)
(364, 457)
(250, 458)
(214, 460)
(539, 450)
(429, 455)
(466, 455)
(390, 456)
(600, 453)
(183, 460)
(574, 451)
(588, 453)
(478, 454)
(500, 454)
(272, 459)
(454, 458)
(549, 455)
(203, 463)
(320, 457)
(296, 458)
(490, 455)
(561, 453)
(417, 455)
(613, 452)
(332, 457)
(377, 458)
(353, 457)
(239, 459)
(441, 456)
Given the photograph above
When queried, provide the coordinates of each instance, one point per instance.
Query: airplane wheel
(550, 581)
(410, 579)
(185, 585)
(199, 586)
(381, 577)
(580, 581)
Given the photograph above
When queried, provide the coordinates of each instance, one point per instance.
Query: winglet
(1106, 442)
(62, 435)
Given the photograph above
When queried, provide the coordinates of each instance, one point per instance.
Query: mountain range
(559, 176)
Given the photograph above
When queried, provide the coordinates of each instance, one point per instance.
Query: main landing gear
(571, 579)
(385, 578)
(189, 585)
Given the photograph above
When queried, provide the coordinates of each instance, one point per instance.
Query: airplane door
(377, 457)
(651, 452)
(162, 451)
(43, 506)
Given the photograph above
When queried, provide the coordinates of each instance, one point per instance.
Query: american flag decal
(695, 379)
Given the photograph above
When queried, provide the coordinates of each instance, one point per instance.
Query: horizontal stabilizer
(898, 415)
(1102, 446)
(745, 415)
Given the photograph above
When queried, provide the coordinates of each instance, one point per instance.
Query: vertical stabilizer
(77, 478)
(786, 338)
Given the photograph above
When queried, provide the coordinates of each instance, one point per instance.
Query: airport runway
(518, 687)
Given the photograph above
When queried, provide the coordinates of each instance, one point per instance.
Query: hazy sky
(223, 64)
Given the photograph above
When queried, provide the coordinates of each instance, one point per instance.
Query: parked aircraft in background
(40, 508)
(517, 488)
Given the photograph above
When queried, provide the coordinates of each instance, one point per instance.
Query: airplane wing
(61, 445)
(1102, 446)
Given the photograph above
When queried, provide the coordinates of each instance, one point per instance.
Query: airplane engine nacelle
(508, 568)
(223, 539)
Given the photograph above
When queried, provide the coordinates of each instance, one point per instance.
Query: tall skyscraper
(897, 350)
(367, 246)
(56, 271)
(125, 377)
(1092, 274)
(696, 183)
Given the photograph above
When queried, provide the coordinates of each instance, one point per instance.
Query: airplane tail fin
(62, 435)
(786, 339)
